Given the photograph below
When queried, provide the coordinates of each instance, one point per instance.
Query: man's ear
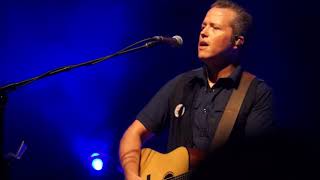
(238, 42)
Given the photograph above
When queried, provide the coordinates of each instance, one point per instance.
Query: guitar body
(158, 166)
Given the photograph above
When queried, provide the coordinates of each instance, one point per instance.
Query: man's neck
(214, 73)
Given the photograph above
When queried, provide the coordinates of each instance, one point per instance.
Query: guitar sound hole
(168, 175)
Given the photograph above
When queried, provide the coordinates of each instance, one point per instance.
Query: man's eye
(215, 27)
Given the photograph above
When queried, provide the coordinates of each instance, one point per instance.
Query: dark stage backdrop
(65, 118)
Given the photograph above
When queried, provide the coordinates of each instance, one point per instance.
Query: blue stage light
(97, 164)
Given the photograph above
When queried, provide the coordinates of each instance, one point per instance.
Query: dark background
(65, 118)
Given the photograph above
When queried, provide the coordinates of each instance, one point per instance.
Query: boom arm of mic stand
(10, 87)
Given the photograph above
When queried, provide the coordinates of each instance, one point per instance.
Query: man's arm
(151, 119)
(130, 146)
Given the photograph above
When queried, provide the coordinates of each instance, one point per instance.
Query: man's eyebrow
(211, 24)
(214, 24)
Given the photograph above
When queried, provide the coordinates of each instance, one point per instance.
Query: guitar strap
(231, 112)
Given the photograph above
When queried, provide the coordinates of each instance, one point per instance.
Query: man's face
(216, 34)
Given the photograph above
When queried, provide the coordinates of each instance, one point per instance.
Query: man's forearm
(129, 153)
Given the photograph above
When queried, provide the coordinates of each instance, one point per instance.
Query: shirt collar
(233, 80)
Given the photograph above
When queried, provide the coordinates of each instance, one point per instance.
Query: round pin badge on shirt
(179, 110)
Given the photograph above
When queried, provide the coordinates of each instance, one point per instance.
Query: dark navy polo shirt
(208, 106)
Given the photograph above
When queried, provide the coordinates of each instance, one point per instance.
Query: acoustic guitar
(171, 166)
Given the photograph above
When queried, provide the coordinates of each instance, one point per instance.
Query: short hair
(243, 19)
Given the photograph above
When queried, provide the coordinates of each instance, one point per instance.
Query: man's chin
(202, 57)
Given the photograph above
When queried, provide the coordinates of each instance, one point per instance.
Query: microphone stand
(5, 90)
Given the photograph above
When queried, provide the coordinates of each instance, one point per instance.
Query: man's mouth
(203, 43)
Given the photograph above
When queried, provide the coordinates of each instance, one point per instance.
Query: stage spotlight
(97, 163)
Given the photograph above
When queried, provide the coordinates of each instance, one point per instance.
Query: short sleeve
(155, 114)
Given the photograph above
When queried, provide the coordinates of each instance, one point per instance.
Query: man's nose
(204, 33)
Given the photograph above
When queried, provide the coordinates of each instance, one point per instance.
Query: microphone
(175, 41)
